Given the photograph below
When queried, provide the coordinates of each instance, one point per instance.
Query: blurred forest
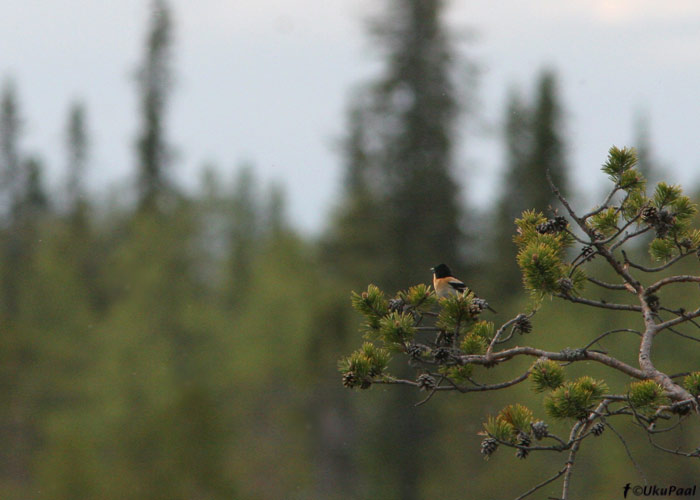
(171, 343)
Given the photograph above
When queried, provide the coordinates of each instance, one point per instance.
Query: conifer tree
(10, 159)
(244, 221)
(449, 347)
(419, 102)
(648, 164)
(155, 82)
(400, 182)
(534, 145)
(77, 152)
(358, 226)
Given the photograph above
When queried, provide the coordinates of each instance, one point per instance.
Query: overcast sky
(266, 82)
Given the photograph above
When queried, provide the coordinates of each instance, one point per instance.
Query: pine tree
(155, 82)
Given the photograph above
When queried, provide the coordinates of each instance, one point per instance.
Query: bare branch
(556, 356)
(430, 395)
(681, 278)
(609, 286)
(603, 335)
(692, 454)
(629, 453)
(677, 321)
(629, 237)
(602, 207)
(661, 267)
(503, 327)
(494, 387)
(543, 483)
(601, 304)
(689, 337)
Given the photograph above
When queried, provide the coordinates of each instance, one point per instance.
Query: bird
(445, 284)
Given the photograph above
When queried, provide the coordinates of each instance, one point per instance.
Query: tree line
(185, 345)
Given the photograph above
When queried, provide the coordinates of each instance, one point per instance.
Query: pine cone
(565, 285)
(650, 215)
(396, 305)
(539, 429)
(442, 354)
(426, 382)
(524, 438)
(477, 306)
(556, 225)
(488, 446)
(349, 380)
(523, 324)
(415, 351)
(653, 302)
(598, 429)
(587, 253)
(664, 222)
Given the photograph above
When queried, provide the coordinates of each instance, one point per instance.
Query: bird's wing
(456, 284)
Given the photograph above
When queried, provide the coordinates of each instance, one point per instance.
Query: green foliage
(574, 399)
(661, 249)
(527, 226)
(619, 162)
(541, 257)
(546, 375)
(421, 297)
(666, 195)
(684, 210)
(500, 429)
(483, 329)
(364, 365)
(646, 395)
(606, 220)
(396, 329)
(632, 181)
(635, 202)
(372, 304)
(692, 383)
(517, 415)
(456, 311)
(472, 343)
(459, 374)
(542, 267)
(670, 216)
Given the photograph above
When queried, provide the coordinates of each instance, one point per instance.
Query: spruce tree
(648, 164)
(10, 159)
(534, 146)
(418, 96)
(358, 225)
(155, 82)
(76, 161)
(400, 181)
(548, 154)
(244, 226)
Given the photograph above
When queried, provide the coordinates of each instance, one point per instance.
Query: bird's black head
(442, 271)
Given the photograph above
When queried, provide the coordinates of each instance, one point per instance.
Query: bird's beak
(432, 269)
